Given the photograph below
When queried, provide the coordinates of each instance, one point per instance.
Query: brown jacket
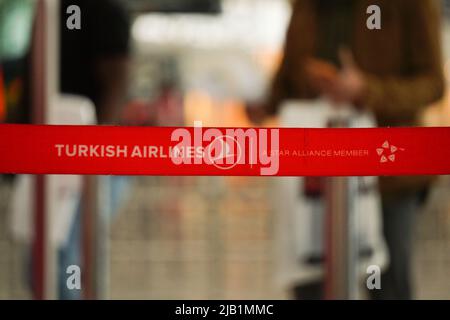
(402, 63)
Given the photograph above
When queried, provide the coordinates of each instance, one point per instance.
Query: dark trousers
(398, 226)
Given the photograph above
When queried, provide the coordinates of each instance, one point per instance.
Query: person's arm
(112, 59)
(291, 76)
(112, 75)
(400, 98)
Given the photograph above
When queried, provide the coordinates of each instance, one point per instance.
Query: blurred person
(94, 64)
(16, 19)
(95, 59)
(394, 72)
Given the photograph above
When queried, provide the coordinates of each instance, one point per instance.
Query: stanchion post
(38, 90)
(44, 89)
(336, 231)
(339, 255)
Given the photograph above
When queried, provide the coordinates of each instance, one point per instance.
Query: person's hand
(256, 113)
(321, 74)
(345, 86)
(351, 84)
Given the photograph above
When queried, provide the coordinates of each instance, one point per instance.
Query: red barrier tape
(28, 149)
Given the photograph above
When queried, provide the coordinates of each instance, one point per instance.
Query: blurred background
(164, 63)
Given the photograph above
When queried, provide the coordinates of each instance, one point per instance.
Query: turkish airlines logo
(227, 148)
(388, 152)
(222, 154)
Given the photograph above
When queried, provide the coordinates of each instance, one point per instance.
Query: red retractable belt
(30, 149)
(2, 98)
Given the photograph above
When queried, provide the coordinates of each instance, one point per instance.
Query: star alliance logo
(388, 152)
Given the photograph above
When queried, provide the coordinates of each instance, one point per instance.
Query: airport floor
(211, 238)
